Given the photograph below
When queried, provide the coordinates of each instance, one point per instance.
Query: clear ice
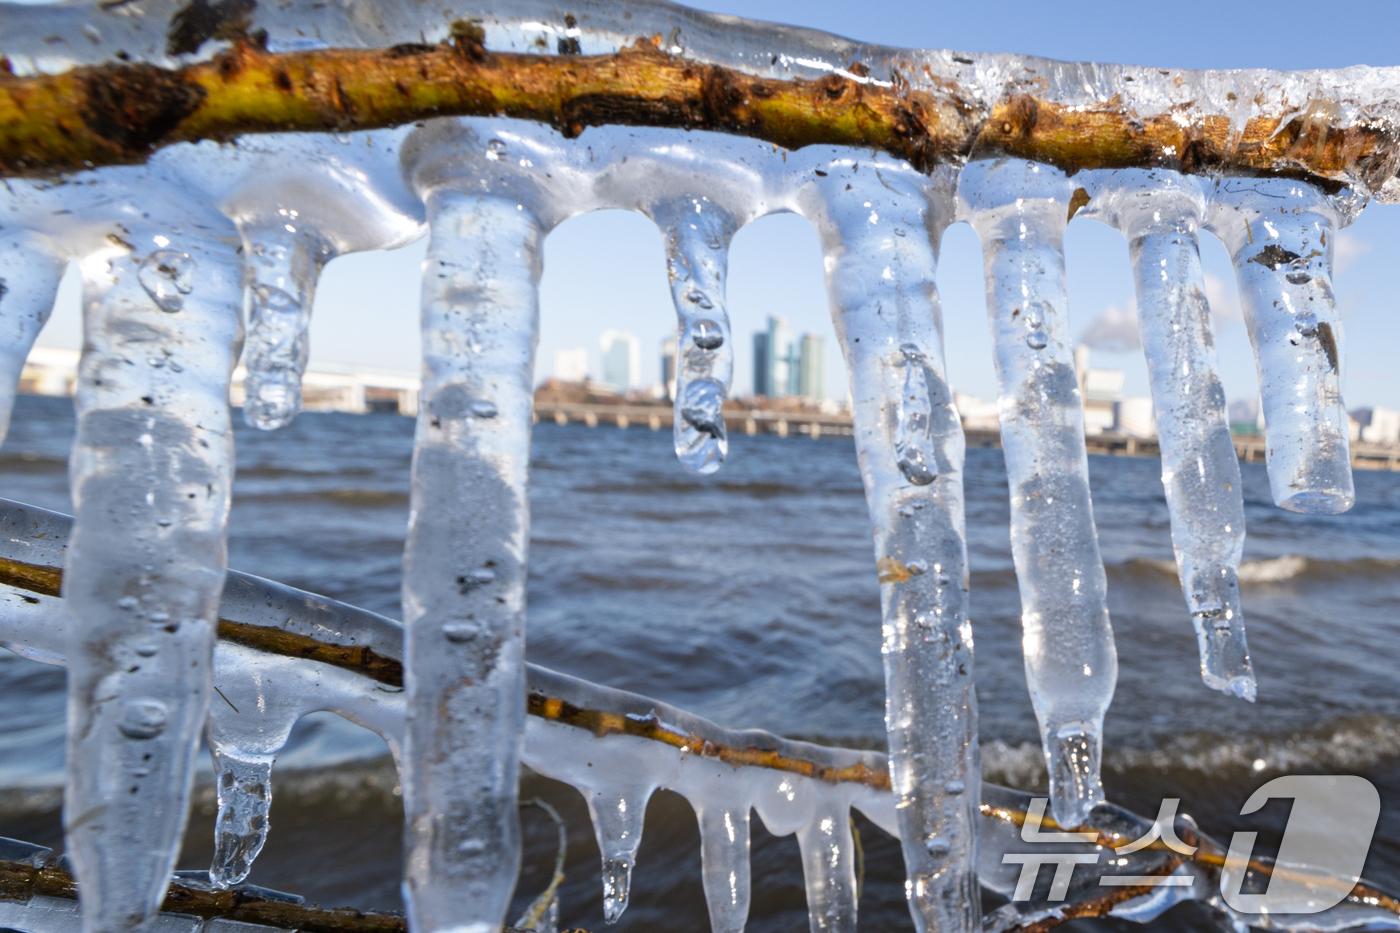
(465, 559)
(1160, 213)
(1281, 234)
(150, 471)
(697, 234)
(1019, 210)
(31, 266)
(159, 249)
(880, 239)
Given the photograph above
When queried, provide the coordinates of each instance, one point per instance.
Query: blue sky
(606, 270)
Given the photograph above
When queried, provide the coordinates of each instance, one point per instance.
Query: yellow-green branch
(119, 113)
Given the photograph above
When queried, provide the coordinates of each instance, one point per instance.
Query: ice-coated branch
(115, 112)
(573, 721)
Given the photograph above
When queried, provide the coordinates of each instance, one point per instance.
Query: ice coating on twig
(1160, 212)
(31, 266)
(1020, 210)
(1281, 234)
(697, 234)
(879, 238)
(724, 858)
(618, 812)
(465, 562)
(282, 272)
(151, 469)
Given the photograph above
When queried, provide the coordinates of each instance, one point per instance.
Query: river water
(750, 597)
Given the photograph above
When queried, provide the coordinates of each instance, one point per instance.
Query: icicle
(724, 857)
(1020, 210)
(697, 234)
(464, 563)
(1280, 233)
(879, 241)
(282, 272)
(829, 869)
(31, 266)
(618, 815)
(250, 721)
(151, 468)
(1160, 213)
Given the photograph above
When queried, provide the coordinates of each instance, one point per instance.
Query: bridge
(1250, 448)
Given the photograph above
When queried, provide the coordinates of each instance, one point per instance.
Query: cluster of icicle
(175, 252)
(284, 653)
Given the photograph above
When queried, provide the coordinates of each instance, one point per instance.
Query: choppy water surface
(750, 597)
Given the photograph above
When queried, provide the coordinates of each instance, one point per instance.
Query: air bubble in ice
(954, 787)
(128, 602)
(937, 846)
(702, 407)
(708, 335)
(700, 299)
(917, 567)
(1037, 340)
(484, 409)
(143, 719)
(495, 149)
(459, 633)
(913, 443)
(168, 276)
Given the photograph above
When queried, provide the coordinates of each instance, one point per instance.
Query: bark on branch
(119, 113)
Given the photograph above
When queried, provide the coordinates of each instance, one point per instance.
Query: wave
(1283, 569)
(1344, 746)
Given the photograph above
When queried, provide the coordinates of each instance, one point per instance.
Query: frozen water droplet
(495, 149)
(702, 407)
(1037, 340)
(954, 787)
(913, 444)
(143, 719)
(937, 846)
(459, 633)
(617, 880)
(167, 275)
(484, 409)
(708, 335)
(917, 567)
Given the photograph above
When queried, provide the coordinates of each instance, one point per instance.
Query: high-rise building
(760, 363)
(571, 365)
(811, 371)
(622, 359)
(668, 366)
(783, 366)
(775, 360)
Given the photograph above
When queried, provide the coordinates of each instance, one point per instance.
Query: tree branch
(119, 113)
